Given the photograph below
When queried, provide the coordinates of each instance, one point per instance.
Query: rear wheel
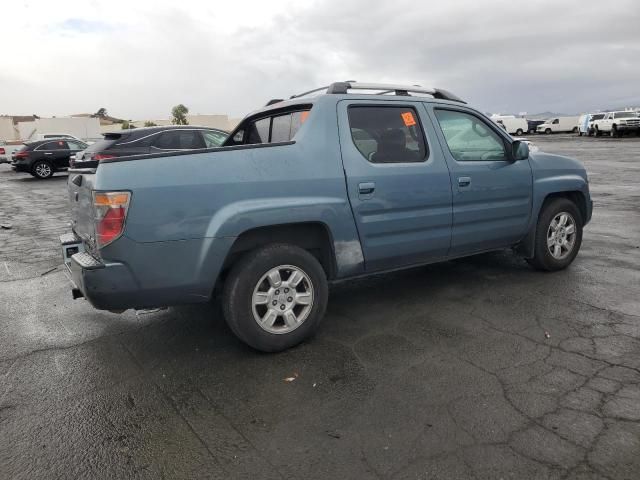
(275, 297)
(558, 235)
(42, 169)
(614, 131)
(575, 130)
(596, 131)
(519, 132)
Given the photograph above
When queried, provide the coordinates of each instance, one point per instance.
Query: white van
(512, 124)
(559, 124)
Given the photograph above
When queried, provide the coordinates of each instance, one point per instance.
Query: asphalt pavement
(475, 368)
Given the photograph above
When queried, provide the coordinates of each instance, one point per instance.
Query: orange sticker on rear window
(408, 119)
(303, 116)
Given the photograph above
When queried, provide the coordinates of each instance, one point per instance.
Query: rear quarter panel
(221, 194)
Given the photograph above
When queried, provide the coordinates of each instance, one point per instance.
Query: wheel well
(576, 197)
(312, 236)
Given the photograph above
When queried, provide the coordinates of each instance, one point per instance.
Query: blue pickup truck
(343, 181)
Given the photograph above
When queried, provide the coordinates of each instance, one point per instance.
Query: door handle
(47, 153)
(464, 181)
(366, 188)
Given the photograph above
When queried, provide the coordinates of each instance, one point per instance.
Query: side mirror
(520, 150)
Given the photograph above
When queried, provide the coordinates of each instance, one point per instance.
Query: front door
(397, 181)
(491, 193)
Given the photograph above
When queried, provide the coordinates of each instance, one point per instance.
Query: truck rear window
(281, 127)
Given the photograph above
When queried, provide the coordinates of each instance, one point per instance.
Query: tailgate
(80, 186)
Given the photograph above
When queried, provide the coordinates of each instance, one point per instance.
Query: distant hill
(545, 115)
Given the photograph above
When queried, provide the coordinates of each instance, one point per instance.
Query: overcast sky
(138, 58)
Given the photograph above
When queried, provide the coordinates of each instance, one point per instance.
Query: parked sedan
(142, 141)
(44, 157)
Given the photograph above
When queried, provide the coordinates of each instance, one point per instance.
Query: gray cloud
(500, 56)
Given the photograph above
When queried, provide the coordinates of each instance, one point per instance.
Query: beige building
(222, 122)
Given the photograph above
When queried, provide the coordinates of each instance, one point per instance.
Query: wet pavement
(476, 368)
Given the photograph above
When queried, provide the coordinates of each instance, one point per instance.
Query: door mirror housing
(519, 150)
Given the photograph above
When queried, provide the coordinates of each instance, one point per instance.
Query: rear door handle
(47, 153)
(464, 181)
(366, 188)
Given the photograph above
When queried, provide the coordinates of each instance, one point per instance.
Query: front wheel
(558, 235)
(519, 132)
(547, 131)
(275, 297)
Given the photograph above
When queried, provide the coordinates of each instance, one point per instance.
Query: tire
(596, 131)
(42, 170)
(519, 132)
(547, 131)
(552, 210)
(575, 130)
(248, 280)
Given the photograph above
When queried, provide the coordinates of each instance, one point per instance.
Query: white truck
(559, 125)
(617, 123)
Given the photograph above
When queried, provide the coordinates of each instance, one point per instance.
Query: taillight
(2, 152)
(22, 155)
(102, 156)
(110, 214)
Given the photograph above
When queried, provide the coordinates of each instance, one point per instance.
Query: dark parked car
(533, 125)
(141, 141)
(44, 157)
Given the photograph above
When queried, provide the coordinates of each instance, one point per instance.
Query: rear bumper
(21, 167)
(106, 286)
(150, 275)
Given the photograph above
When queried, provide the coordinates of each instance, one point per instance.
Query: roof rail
(274, 100)
(385, 88)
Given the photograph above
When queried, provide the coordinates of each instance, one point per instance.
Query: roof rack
(383, 89)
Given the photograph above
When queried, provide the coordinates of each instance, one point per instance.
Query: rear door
(492, 195)
(56, 152)
(397, 181)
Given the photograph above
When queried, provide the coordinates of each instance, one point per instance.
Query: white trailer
(511, 124)
(85, 128)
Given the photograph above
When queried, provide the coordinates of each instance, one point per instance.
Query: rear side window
(388, 134)
(179, 140)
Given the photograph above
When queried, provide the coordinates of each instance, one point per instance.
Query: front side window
(469, 138)
(213, 139)
(387, 134)
(76, 145)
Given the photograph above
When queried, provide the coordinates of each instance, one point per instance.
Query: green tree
(179, 114)
(127, 125)
(149, 123)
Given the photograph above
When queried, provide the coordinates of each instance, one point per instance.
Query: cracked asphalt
(442, 371)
